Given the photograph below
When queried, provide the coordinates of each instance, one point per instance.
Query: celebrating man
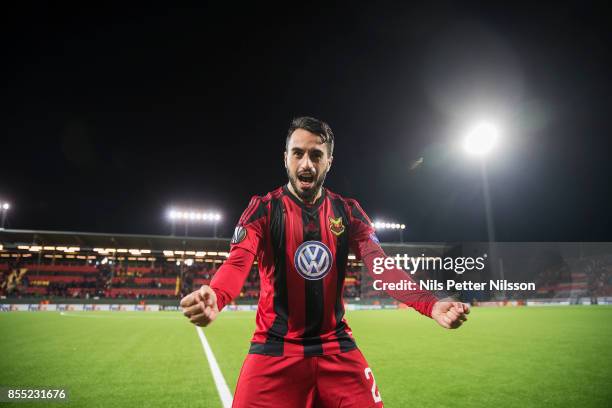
(303, 353)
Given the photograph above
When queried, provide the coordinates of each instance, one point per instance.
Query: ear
(285, 158)
(329, 162)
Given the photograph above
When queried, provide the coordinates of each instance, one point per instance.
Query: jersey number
(375, 394)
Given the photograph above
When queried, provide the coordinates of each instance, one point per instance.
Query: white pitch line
(222, 388)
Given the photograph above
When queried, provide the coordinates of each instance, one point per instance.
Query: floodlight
(481, 139)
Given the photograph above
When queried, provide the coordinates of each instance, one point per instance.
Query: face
(307, 162)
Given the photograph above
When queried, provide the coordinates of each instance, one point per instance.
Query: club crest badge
(336, 226)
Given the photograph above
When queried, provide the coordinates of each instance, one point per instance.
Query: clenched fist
(200, 306)
(450, 315)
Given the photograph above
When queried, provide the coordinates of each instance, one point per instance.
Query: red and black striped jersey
(302, 252)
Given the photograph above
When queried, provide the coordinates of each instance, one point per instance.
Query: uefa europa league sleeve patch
(240, 234)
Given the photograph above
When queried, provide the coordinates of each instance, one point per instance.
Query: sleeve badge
(240, 234)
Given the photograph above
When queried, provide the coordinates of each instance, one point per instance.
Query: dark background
(110, 115)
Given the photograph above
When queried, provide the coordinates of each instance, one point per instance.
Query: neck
(315, 198)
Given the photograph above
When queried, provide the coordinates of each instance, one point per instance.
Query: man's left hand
(450, 315)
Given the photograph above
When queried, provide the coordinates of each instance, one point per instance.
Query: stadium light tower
(5, 208)
(193, 217)
(480, 141)
(381, 225)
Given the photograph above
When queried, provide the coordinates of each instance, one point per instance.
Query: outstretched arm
(421, 300)
(447, 313)
(203, 305)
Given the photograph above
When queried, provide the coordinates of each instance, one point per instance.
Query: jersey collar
(303, 204)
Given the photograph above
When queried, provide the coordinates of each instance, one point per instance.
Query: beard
(307, 195)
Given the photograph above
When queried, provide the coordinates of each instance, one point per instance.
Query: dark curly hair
(313, 125)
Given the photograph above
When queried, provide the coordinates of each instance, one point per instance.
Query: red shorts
(338, 381)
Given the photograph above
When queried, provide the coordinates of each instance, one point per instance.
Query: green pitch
(557, 356)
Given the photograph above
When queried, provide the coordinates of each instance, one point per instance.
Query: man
(302, 352)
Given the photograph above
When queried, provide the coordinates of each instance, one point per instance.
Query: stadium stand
(589, 277)
(59, 265)
(54, 266)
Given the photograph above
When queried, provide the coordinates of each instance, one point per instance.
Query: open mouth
(306, 180)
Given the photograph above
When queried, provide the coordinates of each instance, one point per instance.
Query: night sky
(111, 115)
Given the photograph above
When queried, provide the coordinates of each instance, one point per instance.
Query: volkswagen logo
(313, 260)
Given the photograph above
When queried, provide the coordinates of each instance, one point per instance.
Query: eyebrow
(299, 149)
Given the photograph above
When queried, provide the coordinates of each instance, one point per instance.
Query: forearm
(421, 300)
(230, 277)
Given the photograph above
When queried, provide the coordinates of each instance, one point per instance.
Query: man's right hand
(200, 306)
